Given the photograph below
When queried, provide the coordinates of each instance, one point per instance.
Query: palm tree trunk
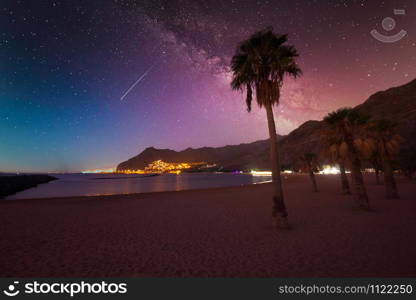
(377, 175)
(389, 181)
(344, 180)
(312, 177)
(357, 177)
(279, 208)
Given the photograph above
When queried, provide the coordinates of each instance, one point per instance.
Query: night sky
(65, 66)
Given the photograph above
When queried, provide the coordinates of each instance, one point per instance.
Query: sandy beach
(223, 232)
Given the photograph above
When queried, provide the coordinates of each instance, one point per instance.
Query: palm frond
(260, 63)
(249, 97)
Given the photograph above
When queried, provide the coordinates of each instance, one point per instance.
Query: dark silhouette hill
(397, 104)
(227, 157)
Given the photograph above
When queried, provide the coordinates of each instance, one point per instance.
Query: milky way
(65, 64)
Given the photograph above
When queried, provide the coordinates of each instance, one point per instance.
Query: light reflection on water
(89, 185)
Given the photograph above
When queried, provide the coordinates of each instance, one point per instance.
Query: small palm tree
(375, 161)
(260, 64)
(335, 150)
(385, 143)
(348, 124)
(310, 162)
(408, 161)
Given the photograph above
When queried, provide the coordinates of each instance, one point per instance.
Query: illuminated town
(159, 166)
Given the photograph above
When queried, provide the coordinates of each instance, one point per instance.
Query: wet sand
(223, 232)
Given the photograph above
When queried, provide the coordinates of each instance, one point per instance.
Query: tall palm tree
(348, 123)
(260, 64)
(381, 133)
(335, 150)
(310, 162)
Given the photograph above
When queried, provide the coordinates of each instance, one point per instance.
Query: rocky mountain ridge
(397, 104)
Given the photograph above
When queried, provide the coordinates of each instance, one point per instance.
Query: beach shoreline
(76, 185)
(128, 195)
(215, 232)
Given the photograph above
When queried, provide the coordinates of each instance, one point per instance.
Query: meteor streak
(137, 81)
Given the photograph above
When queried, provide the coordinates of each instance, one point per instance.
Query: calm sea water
(110, 184)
